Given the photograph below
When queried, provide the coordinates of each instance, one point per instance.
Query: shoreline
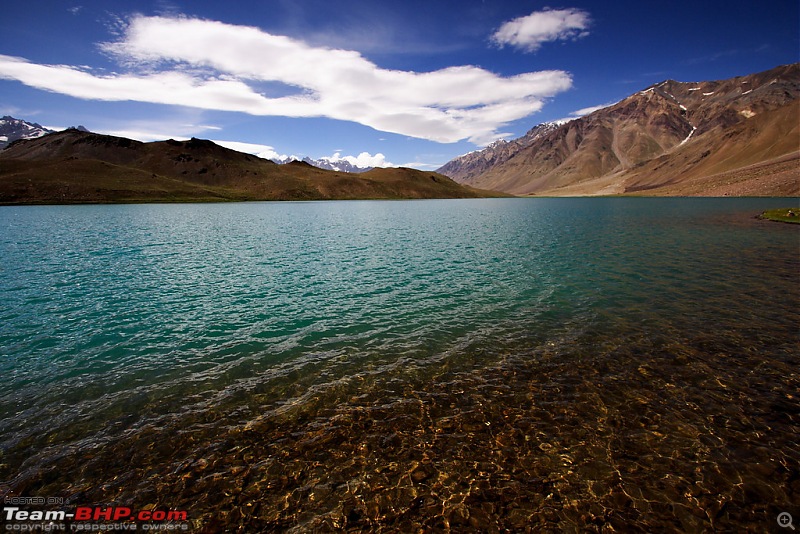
(782, 215)
(497, 196)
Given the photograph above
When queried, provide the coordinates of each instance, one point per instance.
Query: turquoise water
(368, 365)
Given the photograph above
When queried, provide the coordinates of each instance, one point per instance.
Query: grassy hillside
(81, 167)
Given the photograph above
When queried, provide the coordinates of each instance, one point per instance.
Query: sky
(412, 83)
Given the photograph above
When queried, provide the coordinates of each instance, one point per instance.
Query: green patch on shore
(788, 215)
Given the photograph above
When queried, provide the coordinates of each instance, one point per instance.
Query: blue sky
(412, 83)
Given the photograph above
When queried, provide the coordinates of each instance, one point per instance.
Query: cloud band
(212, 65)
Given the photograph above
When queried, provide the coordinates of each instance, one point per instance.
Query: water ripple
(122, 325)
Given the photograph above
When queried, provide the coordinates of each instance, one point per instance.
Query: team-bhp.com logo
(96, 513)
(94, 518)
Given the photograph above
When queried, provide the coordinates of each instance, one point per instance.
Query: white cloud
(529, 32)
(261, 151)
(15, 111)
(591, 109)
(180, 123)
(213, 65)
(364, 159)
(147, 135)
(422, 166)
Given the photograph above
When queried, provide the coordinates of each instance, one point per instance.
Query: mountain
(469, 167)
(341, 165)
(12, 129)
(330, 164)
(75, 166)
(739, 136)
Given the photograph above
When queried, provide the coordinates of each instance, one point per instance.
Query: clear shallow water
(471, 364)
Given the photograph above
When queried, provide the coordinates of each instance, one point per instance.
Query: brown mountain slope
(668, 134)
(74, 166)
(469, 167)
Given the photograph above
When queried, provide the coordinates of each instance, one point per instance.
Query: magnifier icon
(785, 520)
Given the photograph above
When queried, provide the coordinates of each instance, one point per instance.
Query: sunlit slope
(75, 166)
(671, 138)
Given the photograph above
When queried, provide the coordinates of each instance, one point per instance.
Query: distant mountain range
(732, 137)
(736, 137)
(75, 166)
(12, 129)
(330, 164)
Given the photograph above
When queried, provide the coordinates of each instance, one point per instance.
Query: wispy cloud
(422, 166)
(699, 60)
(176, 123)
(213, 65)
(591, 109)
(15, 111)
(530, 32)
(145, 134)
(262, 151)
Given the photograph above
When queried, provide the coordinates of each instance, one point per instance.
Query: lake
(478, 365)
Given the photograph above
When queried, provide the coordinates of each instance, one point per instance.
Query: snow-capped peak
(355, 164)
(12, 129)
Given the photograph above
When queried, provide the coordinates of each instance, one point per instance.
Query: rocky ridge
(671, 138)
(468, 168)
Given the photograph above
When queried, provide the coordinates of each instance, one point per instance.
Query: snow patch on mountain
(354, 164)
(12, 129)
(694, 129)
